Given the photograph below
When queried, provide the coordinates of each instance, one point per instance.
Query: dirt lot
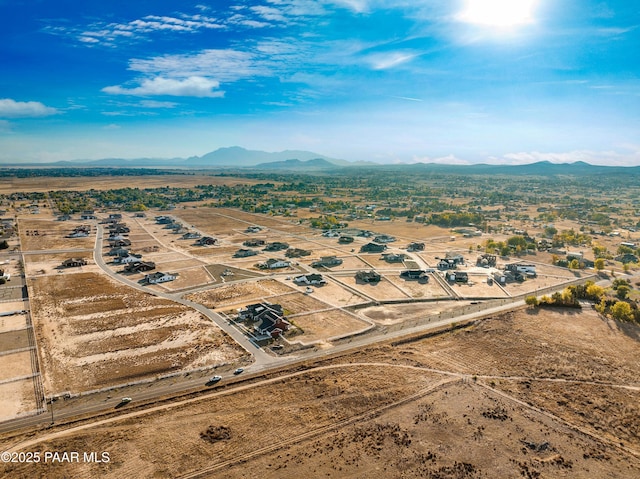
(16, 397)
(42, 184)
(240, 293)
(415, 289)
(51, 235)
(381, 291)
(325, 325)
(382, 412)
(93, 333)
(334, 294)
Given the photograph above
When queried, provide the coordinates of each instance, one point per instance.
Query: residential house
(74, 262)
(296, 253)
(415, 275)
(457, 277)
(159, 277)
(394, 257)
(191, 235)
(276, 246)
(88, 215)
(415, 247)
(253, 229)
(274, 264)
(119, 242)
(252, 243)
(164, 220)
(78, 234)
(373, 248)
(132, 258)
(243, 253)
(64, 217)
(345, 239)
(140, 266)
(487, 260)
(118, 252)
(327, 262)
(368, 277)
(384, 239)
(310, 280)
(115, 216)
(526, 269)
(206, 241)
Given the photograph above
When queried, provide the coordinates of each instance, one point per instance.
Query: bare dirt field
(13, 322)
(390, 314)
(334, 294)
(16, 397)
(381, 291)
(535, 395)
(42, 184)
(51, 235)
(94, 333)
(325, 325)
(239, 293)
(237, 274)
(415, 289)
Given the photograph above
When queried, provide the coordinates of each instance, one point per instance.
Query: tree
(599, 264)
(621, 311)
(532, 301)
(574, 264)
(622, 292)
(4, 244)
(594, 292)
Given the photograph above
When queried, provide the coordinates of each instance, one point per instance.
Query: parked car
(125, 400)
(238, 371)
(215, 379)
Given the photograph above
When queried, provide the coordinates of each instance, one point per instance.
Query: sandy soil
(415, 289)
(11, 184)
(325, 325)
(10, 323)
(93, 333)
(334, 294)
(529, 395)
(245, 293)
(51, 235)
(16, 397)
(381, 291)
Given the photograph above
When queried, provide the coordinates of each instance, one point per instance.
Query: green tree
(574, 264)
(599, 264)
(622, 292)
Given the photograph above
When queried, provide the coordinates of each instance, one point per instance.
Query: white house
(275, 264)
(159, 277)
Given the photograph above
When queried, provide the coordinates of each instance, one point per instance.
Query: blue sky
(456, 81)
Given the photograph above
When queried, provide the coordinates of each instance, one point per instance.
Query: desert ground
(532, 393)
(92, 333)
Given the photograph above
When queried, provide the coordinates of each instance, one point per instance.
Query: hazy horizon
(463, 82)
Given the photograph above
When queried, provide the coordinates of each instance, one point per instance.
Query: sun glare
(499, 13)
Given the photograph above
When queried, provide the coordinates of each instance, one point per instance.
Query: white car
(238, 371)
(125, 400)
(215, 379)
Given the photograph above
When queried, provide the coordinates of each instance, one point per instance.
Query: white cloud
(193, 86)
(24, 109)
(223, 65)
(384, 61)
(157, 104)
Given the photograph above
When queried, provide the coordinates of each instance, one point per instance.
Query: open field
(93, 333)
(334, 294)
(247, 293)
(16, 397)
(415, 289)
(324, 325)
(452, 406)
(384, 290)
(51, 235)
(43, 184)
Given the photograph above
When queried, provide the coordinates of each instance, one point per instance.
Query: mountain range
(236, 157)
